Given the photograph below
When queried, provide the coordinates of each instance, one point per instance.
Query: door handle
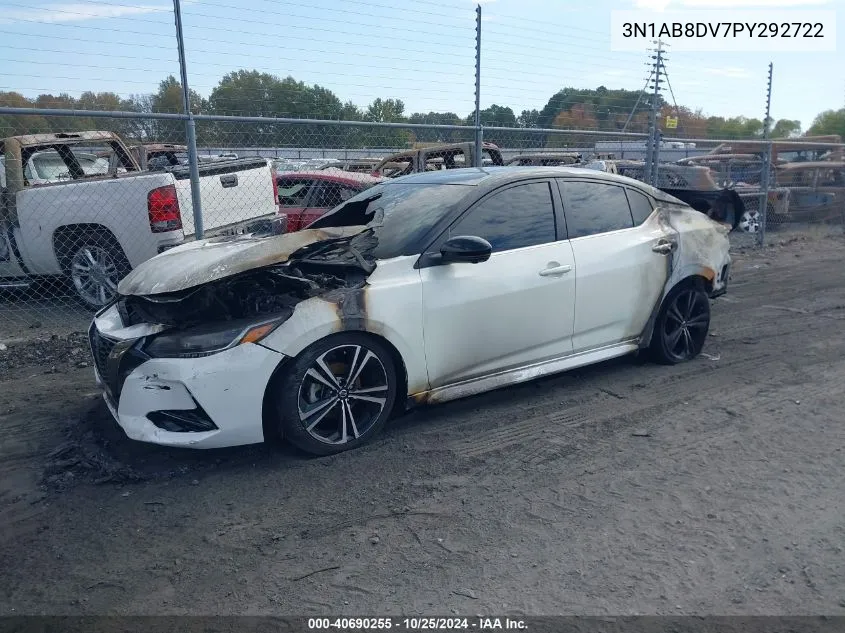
(664, 247)
(554, 271)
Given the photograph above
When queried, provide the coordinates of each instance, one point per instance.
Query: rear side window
(516, 217)
(640, 206)
(293, 193)
(332, 194)
(594, 207)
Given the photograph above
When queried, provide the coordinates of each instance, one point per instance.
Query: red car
(306, 195)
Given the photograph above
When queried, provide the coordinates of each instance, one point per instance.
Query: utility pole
(767, 161)
(478, 131)
(652, 157)
(190, 126)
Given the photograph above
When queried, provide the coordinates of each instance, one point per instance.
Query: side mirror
(465, 248)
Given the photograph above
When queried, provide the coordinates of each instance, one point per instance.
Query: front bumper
(208, 402)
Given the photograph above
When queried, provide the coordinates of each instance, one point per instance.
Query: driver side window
(516, 217)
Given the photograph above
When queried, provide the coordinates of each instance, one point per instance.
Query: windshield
(400, 214)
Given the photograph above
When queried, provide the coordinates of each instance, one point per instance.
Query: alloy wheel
(750, 222)
(342, 394)
(95, 275)
(686, 324)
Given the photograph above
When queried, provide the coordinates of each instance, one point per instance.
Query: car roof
(493, 176)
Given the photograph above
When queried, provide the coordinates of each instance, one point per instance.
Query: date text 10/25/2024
(417, 624)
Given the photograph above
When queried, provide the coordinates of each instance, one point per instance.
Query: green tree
(495, 116)
(829, 122)
(439, 135)
(528, 118)
(168, 98)
(785, 128)
(13, 125)
(734, 127)
(251, 93)
(387, 111)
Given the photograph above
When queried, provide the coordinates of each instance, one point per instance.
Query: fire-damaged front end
(218, 301)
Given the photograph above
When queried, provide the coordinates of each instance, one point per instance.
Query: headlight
(205, 340)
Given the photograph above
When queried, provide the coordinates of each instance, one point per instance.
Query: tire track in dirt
(596, 394)
(669, 391)
(534, 445)
(534, 439)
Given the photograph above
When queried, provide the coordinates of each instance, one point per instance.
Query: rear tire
(337, 394)
(682, 325)
(95, 263)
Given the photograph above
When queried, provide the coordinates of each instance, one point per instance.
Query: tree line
(252, 93)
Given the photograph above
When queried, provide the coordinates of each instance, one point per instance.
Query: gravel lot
(626, 488)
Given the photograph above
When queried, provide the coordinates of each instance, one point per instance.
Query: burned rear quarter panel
(388, 306)
(703, 247)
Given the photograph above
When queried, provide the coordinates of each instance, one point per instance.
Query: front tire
(337, 394)
(682, 325)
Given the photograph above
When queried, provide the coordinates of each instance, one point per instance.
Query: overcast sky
(421, 51)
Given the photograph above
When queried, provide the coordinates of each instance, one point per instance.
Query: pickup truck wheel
(95, 264)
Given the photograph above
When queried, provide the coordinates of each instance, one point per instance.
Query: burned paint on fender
(350, 304)
(700, 251)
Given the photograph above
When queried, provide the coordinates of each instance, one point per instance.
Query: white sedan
(422, 289)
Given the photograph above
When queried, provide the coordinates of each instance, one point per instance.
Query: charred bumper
(206, 402)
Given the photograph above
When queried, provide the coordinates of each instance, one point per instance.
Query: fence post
(767, 163)
(652, 152)
(190, 127)
(478, 162)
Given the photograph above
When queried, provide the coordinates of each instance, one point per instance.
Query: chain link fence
(81, 209)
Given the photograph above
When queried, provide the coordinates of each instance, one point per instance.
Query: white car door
(621, 261)
(514, 309)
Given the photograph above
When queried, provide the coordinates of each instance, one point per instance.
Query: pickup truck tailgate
(231, 192)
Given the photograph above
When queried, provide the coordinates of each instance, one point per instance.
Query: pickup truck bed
(233, 191)
(95, 227)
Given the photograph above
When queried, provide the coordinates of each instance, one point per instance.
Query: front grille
(114, 360)
(101, 347)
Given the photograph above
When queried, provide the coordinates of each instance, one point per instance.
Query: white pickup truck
(67, 211)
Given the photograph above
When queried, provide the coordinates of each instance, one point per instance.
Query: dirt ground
(715, 487)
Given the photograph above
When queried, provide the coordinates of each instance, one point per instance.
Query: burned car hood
(200, 262)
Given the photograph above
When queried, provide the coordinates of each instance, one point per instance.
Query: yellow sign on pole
(671, 122)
